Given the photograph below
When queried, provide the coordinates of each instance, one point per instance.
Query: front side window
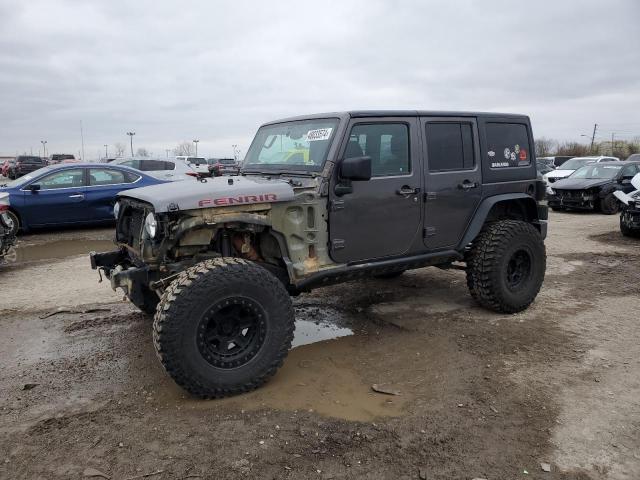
(508, 145)
(64, 179)
(449, 146)
(105, 176)
(386, 143)
(629, 171)
(302, 145)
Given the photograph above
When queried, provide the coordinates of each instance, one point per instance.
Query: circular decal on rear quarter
(507, 153)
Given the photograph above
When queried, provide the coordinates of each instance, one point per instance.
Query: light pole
(167, 150)
(44, 147)
(196, 141)
(131, 134)
(106, 151)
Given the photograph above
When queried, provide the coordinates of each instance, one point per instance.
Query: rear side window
(508, 145)
(106, 176)
(449, 146)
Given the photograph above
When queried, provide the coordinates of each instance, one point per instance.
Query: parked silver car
(162, 169)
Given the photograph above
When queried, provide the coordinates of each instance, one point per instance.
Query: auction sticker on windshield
(319, 134)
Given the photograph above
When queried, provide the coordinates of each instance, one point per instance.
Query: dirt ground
(482, 395)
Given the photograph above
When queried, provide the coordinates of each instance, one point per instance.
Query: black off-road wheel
(506, 266)
(609, 205)
(223, 327)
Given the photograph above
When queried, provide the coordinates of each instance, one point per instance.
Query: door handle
(79, 195)
(467, 185)
(407, 190)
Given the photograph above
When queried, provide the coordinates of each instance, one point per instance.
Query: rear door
(381, 217)
(60, 198)
(104, 185)
(453, 179)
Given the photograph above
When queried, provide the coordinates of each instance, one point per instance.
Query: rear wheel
(609, 205)
(506, 266)
(223, 327)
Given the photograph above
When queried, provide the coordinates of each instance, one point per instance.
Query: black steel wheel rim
(231, 332)
(518, 269)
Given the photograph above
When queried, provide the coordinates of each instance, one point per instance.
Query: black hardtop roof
(402, 113)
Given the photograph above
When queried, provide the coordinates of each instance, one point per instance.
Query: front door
(453, 180)
(380, 217)
(60, 198)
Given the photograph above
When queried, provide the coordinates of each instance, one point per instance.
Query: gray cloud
(175, 71)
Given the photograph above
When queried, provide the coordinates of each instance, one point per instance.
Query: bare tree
(545, 146)
(120, 149)
(184, 148)
(143, 152)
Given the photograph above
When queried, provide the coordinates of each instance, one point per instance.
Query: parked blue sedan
(68, 194)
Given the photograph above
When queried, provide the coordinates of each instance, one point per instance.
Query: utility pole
(235, 152)
(44, 147)
(612, 137)
(195, 140)
(106, 151)
(82, 139)
(593, 137)
(131, 134)
(167, 150)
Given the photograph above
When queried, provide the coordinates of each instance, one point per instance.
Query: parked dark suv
(325, 199)
(25, 164)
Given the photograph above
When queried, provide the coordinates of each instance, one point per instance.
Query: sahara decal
(240, 200)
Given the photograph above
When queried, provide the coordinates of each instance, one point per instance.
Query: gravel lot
(481, 394)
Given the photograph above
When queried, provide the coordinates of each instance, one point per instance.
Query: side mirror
(34, 187)
(356, 168)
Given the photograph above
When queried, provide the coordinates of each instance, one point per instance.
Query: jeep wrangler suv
(324, 199)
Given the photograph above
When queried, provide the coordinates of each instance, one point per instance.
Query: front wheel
(609, 205)
(14, 223)
(628, 231)
(223, 327)
(506, 266)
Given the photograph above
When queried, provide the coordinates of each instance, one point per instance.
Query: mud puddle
(56, 250)
(320, 378)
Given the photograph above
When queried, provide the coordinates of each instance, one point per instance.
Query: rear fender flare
(485, 207)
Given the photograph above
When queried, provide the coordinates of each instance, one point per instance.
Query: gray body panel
(215, 192)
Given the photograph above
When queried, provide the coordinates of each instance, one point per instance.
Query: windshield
(575, 163)
(598, 170)
(18, 182)
(197, 160)
(301, 145)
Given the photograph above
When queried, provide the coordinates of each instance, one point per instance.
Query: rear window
(155, 165)
(508, 145)
(30, 160)
(449, 146)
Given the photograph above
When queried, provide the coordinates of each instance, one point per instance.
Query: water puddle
(58, 249)
(316, 324)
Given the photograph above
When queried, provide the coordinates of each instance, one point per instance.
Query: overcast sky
(175, 71)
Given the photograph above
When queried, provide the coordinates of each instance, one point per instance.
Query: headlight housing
(151, 225)
(116, 210)
(550, 191)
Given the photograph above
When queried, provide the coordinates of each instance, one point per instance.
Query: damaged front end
(578, 199)
(7, 237)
